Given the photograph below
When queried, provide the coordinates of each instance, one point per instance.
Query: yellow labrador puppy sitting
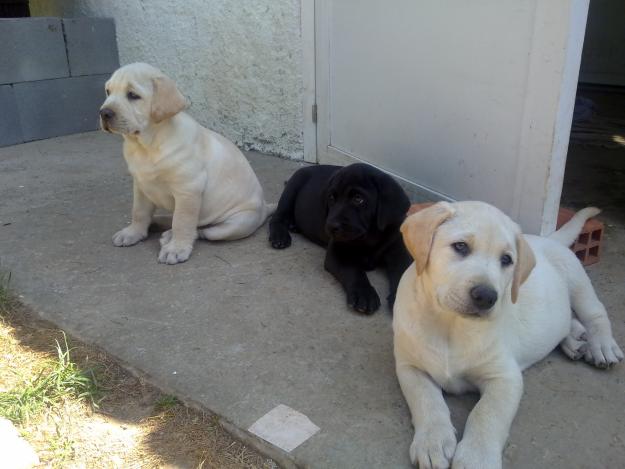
(178, 165)
(481, 303)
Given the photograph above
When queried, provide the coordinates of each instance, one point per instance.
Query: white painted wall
(240, 62)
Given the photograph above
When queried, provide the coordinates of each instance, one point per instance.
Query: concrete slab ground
(241, 328)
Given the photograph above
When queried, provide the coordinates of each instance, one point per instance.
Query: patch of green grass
(166, 402)
(5, 294)
(61, 379)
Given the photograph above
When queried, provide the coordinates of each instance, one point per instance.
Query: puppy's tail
(567, 234)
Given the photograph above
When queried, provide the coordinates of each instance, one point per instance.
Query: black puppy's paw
(364, 299)
(279, 237)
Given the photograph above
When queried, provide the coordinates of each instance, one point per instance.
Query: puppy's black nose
(334, 227)
(484, 297)
(106, 113)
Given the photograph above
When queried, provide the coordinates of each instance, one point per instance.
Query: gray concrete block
(10, 130)
(50, 108)
(32, 49)
(91, 45)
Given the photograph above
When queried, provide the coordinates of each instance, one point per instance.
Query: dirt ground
(133, 424)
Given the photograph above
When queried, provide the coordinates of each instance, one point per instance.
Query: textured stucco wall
(240, 62)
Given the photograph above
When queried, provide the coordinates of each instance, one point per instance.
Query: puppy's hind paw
(279, 237)
(364, 299)
(574, 348)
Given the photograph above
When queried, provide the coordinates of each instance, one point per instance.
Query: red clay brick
(587, 247)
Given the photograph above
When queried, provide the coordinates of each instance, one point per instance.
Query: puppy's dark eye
(358, 200)
(461, 248)
(107, 92)
(506, 260)
(132, 96)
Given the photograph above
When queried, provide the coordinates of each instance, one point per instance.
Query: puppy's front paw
(602, 352)
(476, 454)
(128, 236)
(174, 253)
(279, 237)
(433, 447)
(363, 298)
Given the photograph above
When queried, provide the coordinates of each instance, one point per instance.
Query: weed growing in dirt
(61, 378)
(166, 402)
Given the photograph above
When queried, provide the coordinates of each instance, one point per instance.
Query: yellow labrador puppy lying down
(481, 303)
(178, 165)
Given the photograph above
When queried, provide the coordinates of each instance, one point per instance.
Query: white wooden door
(461, 99)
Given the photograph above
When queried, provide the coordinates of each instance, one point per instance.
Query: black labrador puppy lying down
(353, 211)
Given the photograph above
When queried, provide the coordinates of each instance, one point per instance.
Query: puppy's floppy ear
(524, 265)
(418, 231)
(167, 101)
(393, 202)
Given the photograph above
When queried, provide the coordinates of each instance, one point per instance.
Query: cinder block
(10, 130)
(91, 45)
(587, 247)
(50, 108)
(32, 49)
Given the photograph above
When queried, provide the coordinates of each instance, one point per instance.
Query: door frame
(309, 99)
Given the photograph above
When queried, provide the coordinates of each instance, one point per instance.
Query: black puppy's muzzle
(339, 231)
(334, 228)
(483, 298)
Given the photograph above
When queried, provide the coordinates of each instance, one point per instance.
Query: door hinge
(314, 113)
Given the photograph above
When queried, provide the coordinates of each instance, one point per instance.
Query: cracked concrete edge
(266, 449)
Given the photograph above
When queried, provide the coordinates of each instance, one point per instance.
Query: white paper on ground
(284, 427)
